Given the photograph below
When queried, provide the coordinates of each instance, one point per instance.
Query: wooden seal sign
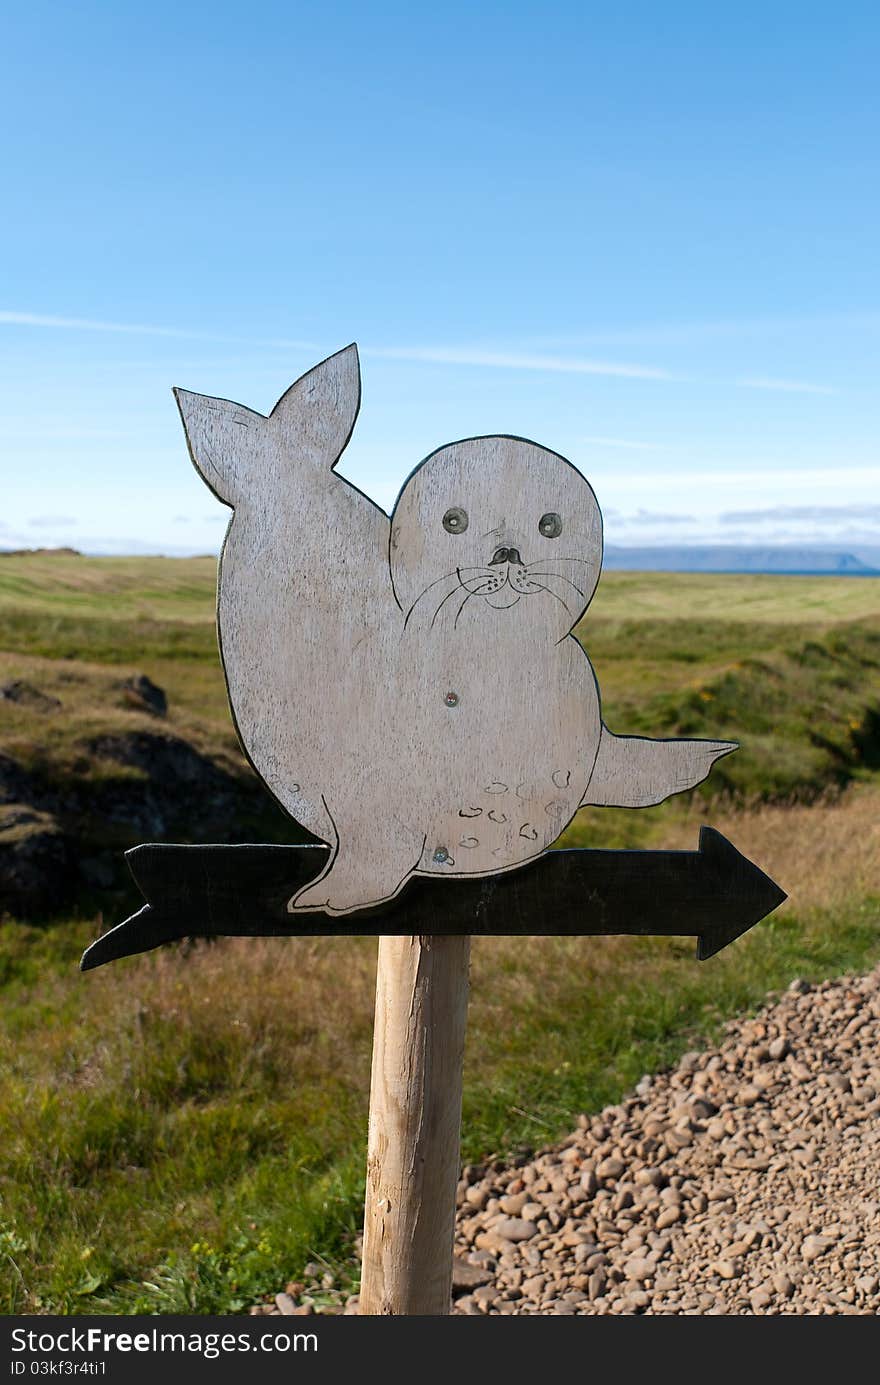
(410, 690)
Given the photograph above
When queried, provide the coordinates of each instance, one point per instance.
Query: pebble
(513, 1206)
(610, 1168)
(814, 1246)
(596, 1284)
(468, 1276)
(668, 1217)
(514, 1229)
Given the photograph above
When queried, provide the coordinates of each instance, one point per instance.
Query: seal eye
(550, 525)
(455, 521)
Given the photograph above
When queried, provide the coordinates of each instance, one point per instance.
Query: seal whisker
(478, 591)
(461, 608)
(560, 577)
(445, 578)
(482, 576)
(554, 594)
(447, 597)
(558, 558)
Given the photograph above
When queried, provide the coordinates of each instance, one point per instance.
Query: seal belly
(537, 739)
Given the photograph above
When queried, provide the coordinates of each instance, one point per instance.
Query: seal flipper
(633, 772)
(351, 882)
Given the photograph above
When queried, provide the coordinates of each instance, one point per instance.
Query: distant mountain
(781, 558)
(39, 552)
(728, 558)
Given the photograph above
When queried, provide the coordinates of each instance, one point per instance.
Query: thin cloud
(539, 361)
(801, 513)
(434, 354)
(684, 333)
(760, 473)
(52, 521)
(509, 360)
(650, 517)
(89, 324)
(761, 382)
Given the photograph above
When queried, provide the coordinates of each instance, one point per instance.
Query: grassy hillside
(183, 1131)
(787, 665)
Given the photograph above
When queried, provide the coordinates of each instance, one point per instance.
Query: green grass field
(183, 1131)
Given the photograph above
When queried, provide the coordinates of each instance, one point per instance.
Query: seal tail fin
(224, 441)
(237, 451)
(315, 417)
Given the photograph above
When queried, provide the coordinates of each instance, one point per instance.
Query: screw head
(451, 699)
(455, 521)
(441, 855)
(550, 525)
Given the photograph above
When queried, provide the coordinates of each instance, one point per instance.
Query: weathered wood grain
(415, 1119)
(409, 689)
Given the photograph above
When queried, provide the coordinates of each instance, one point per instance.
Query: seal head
(496, 529)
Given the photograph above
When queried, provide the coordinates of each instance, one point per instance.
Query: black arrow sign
(715, 894)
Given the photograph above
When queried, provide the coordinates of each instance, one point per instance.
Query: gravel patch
(743, 1181)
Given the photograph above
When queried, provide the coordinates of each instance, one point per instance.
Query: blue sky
(644, 235)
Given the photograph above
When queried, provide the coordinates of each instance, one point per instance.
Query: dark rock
(185, 793)
(26, 695)
(144, 695)
(35, 864)
(98, 871)
(15, 784)
(157, 754)
(146, 786)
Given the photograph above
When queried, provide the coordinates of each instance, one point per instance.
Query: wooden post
(413, 1156)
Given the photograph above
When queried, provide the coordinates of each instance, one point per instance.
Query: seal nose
(505, 555)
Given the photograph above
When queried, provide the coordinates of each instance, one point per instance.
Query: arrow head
(745, 895)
